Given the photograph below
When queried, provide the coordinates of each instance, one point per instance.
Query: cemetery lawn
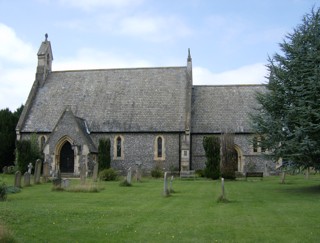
(258, 211)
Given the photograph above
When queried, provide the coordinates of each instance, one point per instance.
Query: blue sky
(230, 40)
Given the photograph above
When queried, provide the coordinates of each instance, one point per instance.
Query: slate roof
(217, 109)
(112, 100)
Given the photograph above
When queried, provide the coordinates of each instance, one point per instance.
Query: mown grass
(257, 211)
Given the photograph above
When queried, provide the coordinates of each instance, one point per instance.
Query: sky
(230, 40)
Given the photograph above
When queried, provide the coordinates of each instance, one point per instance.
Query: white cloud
(250, 74)
(89, 5)
(17, 68)
(12, 48)
(154, 28)
(87, 58)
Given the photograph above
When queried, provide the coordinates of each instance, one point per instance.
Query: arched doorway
(67, 158)
(234, 159)
(238, 158)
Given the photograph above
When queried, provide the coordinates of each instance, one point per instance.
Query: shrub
(3, 191)
(108, 175)
(104, 158)
(200, 173)
(157, 172)
(211, 145)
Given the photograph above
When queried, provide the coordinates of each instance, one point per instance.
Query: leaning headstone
(37, 171)
(129, 176)
(46, 172)
(95, 172)
(139, 171)
(17, 179)
(30, 166)
(26, 179)
(165, 185)
(83, 173)
(5, 170)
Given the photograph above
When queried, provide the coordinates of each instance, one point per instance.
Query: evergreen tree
(104, 158)
(211, 145)
(8, 122)
(289, 115)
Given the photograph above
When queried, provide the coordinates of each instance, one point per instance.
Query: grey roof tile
(218, 109)
(112, 100)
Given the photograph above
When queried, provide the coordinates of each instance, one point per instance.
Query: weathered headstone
(222, 189)
(17, 179)
(5, 170)
(37, 171)
(26, 179)
(165, 185)
(46, 172)
(57, 181)
(95, 172)
(129, 176)
(139, 170)
(65, 183)
(83, 173)
(30, 166)
(170, 187)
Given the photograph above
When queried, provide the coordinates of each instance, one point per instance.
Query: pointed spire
(189, 56)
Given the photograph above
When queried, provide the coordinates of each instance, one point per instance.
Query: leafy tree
(27, 151)
(104, 158)
(289, 113)
(211, 145)
(8, 122)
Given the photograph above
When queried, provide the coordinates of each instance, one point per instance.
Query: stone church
(154, 116)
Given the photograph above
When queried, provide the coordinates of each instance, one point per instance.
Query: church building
(154, 116)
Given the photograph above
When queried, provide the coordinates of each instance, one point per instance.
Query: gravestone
(17, 179)
(46, 172)
(65, 183)
(165, 185)
(95, 172)
(139, 170)
(83, 173)
(26, 179)
(30, 166)
(129, 176)
(57, 181)
(5, 170)
(37, 171)
(170, 187)
(222, 189)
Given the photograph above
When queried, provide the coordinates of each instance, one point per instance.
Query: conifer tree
(289, 114)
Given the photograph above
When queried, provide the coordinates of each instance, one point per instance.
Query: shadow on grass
(303, 190)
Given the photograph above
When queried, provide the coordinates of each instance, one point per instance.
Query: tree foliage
(228, 156)
(211, 145)
(289, 115)
(27, 151)
(104, 158)
(8, 122)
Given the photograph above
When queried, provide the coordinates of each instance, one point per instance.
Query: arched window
(118, 148)
(159, 148)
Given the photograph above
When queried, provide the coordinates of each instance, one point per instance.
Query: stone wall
(248, 159)
(139, 147)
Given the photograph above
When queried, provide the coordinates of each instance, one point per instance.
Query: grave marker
(26, 179)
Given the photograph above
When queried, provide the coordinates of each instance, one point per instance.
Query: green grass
(257, 211)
